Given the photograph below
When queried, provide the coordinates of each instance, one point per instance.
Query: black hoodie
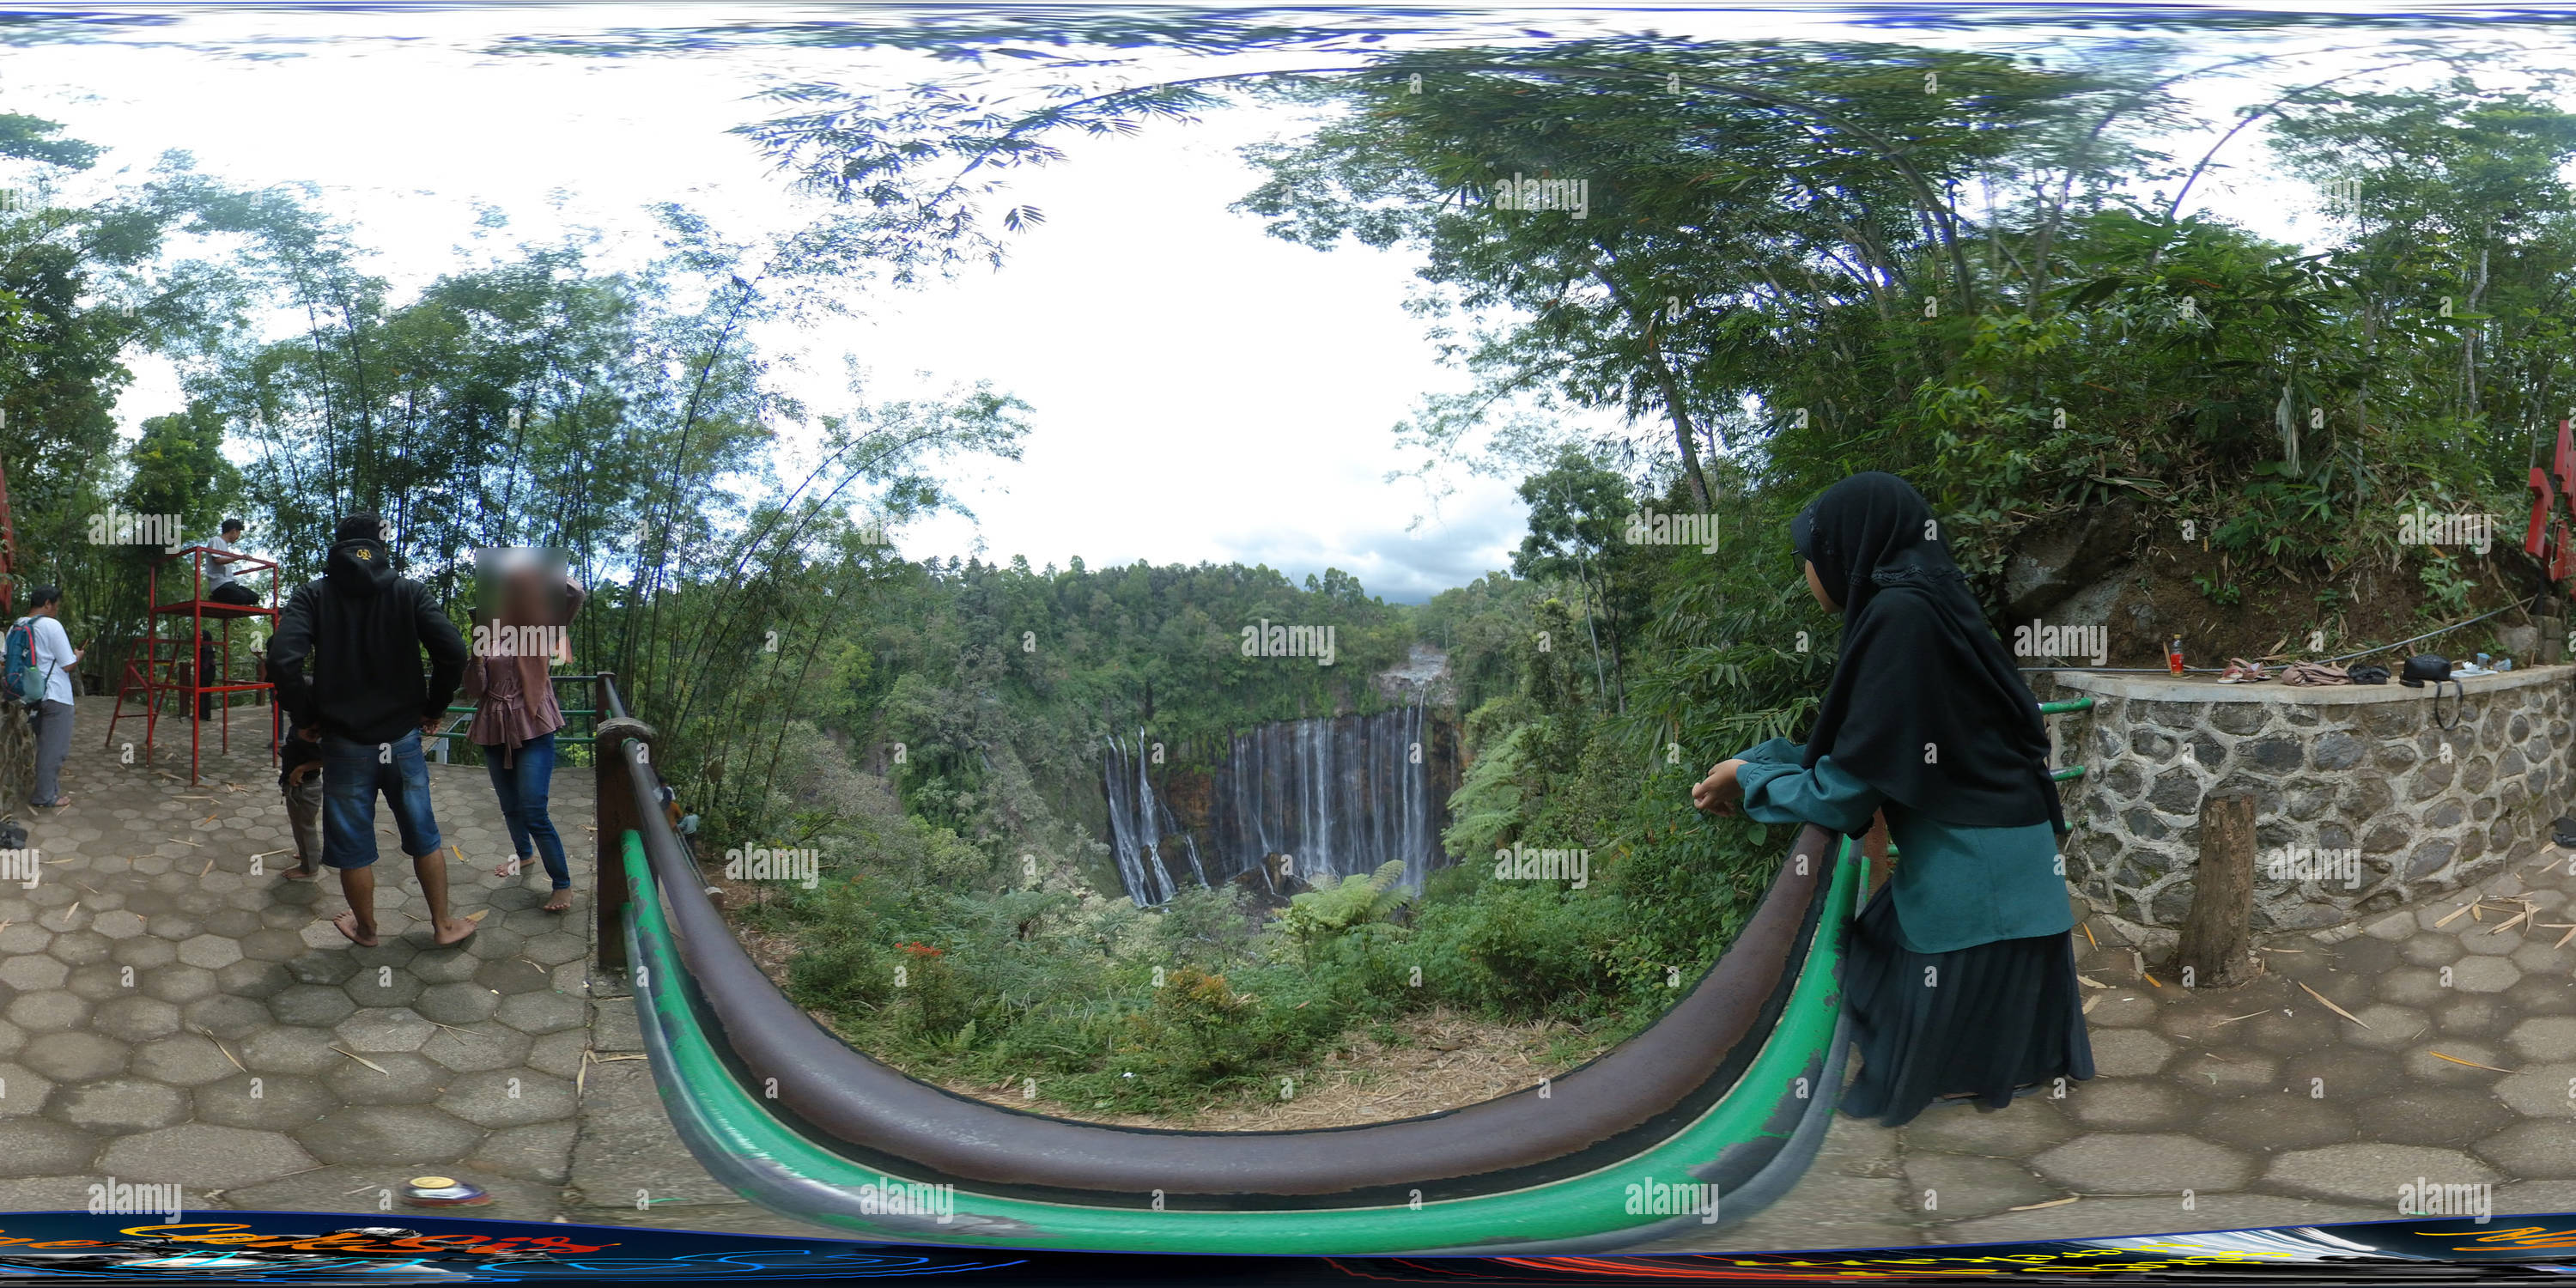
(363, 629)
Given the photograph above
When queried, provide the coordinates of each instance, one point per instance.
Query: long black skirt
(1985, 1021)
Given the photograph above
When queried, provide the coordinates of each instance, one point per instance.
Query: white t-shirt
(53, 655)
(217, 574)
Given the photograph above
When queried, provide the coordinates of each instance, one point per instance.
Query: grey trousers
(304, 812)
(53, 742)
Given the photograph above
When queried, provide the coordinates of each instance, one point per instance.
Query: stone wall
(2349, 767)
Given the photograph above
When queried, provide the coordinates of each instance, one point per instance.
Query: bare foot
(561, 902)
(347, 924)
(455, 931)
(511, 869)
(301, 872)
(60, 802)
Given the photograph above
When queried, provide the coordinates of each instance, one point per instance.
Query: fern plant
(1356, 901)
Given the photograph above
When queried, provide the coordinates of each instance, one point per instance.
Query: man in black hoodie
(363, 630)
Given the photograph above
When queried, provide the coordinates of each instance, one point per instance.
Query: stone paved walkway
(2261, 1101)
(166, 1016)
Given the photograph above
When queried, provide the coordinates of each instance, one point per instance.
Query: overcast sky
(1200, 391)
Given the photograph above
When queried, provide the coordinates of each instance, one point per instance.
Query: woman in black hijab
(1960, 975)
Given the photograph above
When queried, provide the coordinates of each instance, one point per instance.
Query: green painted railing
(745, 1144)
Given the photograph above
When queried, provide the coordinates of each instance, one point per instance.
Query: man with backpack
(366, 705)
(39, 662)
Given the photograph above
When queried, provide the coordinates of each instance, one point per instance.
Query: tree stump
(2217, 944)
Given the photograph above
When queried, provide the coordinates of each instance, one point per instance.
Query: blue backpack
(19, 679)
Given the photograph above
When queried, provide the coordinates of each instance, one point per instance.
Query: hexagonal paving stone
(23, 939)
(205, 1154)
(2216, 1073)
(2130, 1104)
(2539, 1091)
(287, 1048)
(2373, 1172)
(116, 1105)
(2484, 975)
(210, 951)
(556, 948)
(2389, 1026)
(117, 925)
(173, 926)
(561, 1055)
(408, 1135)
(81, 948)
(444, 967)
(49, 1012)
(2477, 1015)
(253, 979)
(508, 1098)
(2426, 1063)
(311, 1004)
(2545, 1037)
(551, 1012)
(511, 975)
(2533, 1149)
(398, 1078)
(43, 1147)
(102, 982)
(231, 923)
(2119, 1163)
(267, 1102)
(273, 945)
(1965, 1186)
(2414, 986)
(143, 952)
(29, 974)
(384, 1029)
(187, 1060)
(2278, 1122)
(179, 985)
(2129, 1052)
(226, 1016)
(460, 1002)
(22, 1090)
(330, 969)
(537, 1152)
(479, 1048)
(136, 1019)
(384, 986)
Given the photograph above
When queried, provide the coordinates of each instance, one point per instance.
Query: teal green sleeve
(1778, 751)
(1826, 795)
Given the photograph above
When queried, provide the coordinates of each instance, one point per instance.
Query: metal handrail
(561, 739)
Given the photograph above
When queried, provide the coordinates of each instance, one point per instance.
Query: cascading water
(1340, 795)
(1138, 822)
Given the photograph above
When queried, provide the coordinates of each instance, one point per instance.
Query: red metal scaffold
(177, 672)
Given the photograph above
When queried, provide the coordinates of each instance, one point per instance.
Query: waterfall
(1136, 825)
(1340, 795)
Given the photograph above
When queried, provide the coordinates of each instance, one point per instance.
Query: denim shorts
(352, 774)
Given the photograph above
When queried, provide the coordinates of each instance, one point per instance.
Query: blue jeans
(352, 774)
(522, 786)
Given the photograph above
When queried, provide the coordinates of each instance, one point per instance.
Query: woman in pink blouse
(516, 716)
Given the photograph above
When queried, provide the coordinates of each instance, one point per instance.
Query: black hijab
(1919, 668)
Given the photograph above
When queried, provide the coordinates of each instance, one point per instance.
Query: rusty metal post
(618, 812)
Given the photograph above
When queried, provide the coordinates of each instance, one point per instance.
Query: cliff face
(1335, 795)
